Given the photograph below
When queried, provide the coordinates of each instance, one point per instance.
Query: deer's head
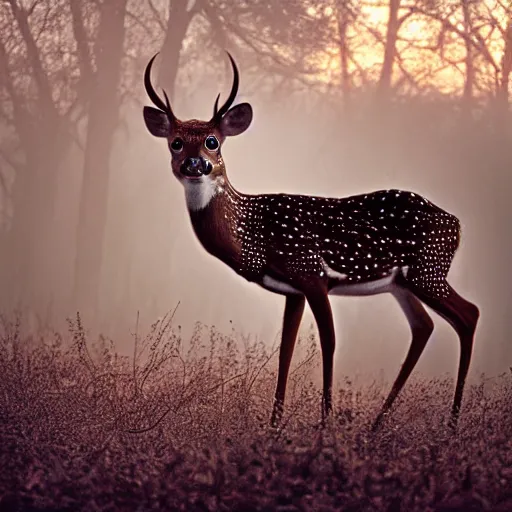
(195, 145)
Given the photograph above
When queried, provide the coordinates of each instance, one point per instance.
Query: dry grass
(175, 428)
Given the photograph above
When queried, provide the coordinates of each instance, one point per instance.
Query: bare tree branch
(479, 44)
(16, 166)
(84, 57)
(40, 77)
(156, 15)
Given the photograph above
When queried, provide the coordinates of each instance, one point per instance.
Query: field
(184, 426)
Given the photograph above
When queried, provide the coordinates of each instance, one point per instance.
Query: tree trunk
(467, 97)
(31, 265)
(102, 123)
(27, 256)
(343, 17)
(502, 96)
(177, 26)
(386, 74)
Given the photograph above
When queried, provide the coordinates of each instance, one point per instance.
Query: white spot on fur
(333, 274)
(383, 285)
(277, 286)
(199, 193)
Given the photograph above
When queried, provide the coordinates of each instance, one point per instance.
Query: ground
(175, 427)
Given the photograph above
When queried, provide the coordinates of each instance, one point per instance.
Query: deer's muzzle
(196, 167)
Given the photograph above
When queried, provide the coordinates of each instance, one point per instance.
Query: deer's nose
(193, 163)
(193, 166)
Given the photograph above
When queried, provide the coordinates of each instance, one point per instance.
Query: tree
(386, 73)
(103, 117)
(345, 16)
(176, 28)
(37, 115)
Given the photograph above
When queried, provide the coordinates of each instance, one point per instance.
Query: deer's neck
(199, 195)
(217, 212)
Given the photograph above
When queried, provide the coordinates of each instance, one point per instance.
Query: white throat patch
(199, 193)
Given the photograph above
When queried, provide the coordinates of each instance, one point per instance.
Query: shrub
(184, 426)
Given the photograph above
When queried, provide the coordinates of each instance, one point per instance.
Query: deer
(308, 248)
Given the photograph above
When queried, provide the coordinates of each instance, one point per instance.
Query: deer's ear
(236, 120)
(157, 122)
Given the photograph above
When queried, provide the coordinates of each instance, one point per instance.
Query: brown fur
(216, 232)
(193, 133)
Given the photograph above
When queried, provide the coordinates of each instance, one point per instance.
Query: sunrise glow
(418, 38)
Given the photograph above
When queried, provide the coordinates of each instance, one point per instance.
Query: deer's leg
(463, 316)
(293, 311)
(421, 328)
(318, 300)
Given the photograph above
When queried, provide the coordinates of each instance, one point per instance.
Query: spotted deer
(307, 248)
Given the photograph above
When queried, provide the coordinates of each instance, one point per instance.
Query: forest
(127, 384)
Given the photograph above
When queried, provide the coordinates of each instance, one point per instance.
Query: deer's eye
(177, 145)
(211, 143)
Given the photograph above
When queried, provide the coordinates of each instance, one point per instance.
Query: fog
(300, 141)
(313, 155)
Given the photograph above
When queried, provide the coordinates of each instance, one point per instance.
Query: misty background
(348, 97)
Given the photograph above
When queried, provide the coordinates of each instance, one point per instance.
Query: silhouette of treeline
(419, 82)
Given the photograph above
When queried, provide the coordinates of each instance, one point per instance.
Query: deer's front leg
(293, 311)
(318, 300)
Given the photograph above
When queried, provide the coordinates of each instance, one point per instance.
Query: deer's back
(363, 237)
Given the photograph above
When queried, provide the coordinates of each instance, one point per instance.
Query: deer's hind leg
(421, 328)
(463, 316)
(293, 311)
(318, 301)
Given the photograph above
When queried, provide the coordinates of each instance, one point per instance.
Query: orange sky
(423, 31)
